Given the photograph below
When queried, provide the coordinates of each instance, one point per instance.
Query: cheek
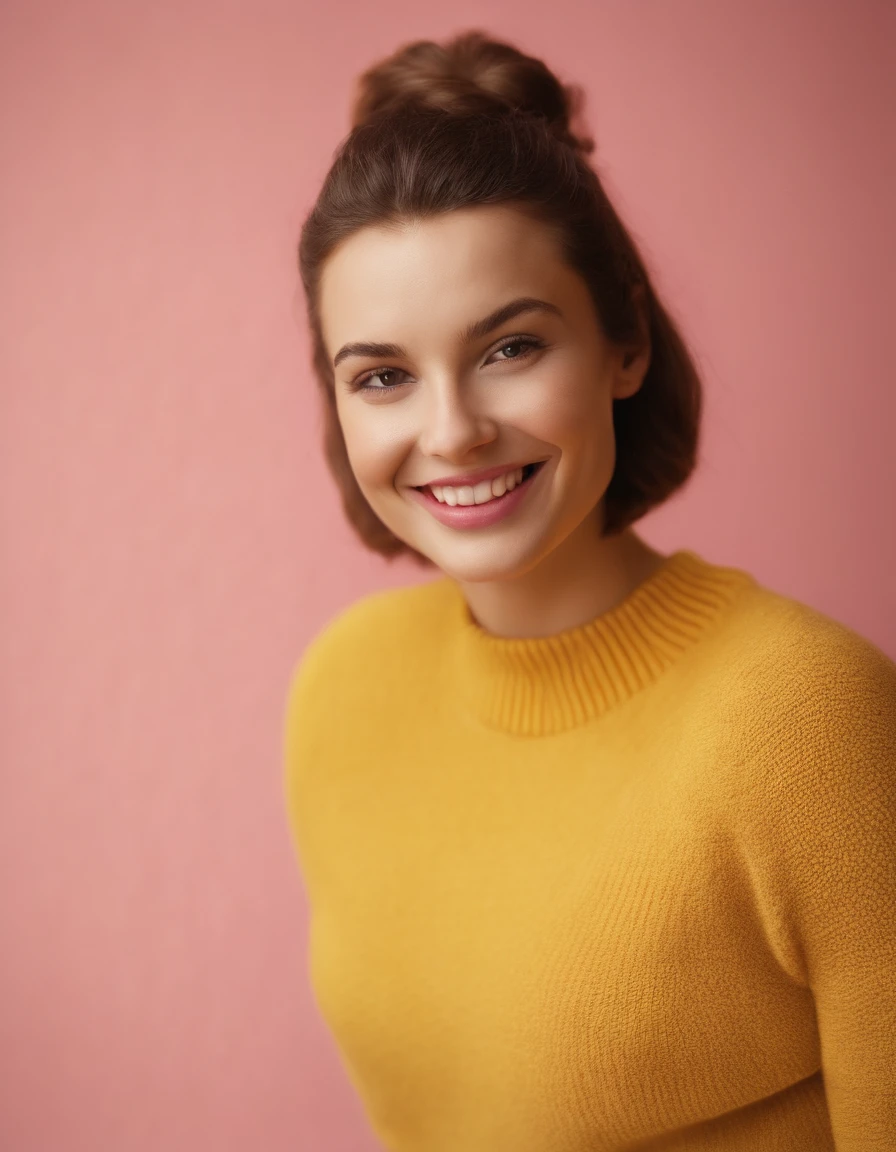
(375, 455)
(572, 408)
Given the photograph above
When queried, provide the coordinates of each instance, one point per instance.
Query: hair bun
(467, 74)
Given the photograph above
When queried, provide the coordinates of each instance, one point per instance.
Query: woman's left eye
(525, 342)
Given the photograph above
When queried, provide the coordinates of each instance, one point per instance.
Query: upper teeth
(477, 493)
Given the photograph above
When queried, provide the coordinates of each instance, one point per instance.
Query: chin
(490, 566)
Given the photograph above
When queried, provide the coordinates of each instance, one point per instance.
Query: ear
(634, 359)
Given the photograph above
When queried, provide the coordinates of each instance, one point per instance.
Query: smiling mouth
(528, 469)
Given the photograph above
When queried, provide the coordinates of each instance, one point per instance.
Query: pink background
(170, 535)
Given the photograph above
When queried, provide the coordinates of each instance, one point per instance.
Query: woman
(598, 842)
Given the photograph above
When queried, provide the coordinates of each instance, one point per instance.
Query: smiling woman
(599, 843)
(474, 302)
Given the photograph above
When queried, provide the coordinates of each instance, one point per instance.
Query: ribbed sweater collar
(544, 685)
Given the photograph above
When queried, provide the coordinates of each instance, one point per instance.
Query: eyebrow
(474, 331)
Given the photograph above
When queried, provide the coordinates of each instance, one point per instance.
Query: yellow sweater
(631, 886)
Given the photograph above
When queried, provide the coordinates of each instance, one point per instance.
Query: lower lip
(477, 515)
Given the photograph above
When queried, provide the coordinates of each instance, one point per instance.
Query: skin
(449, 406)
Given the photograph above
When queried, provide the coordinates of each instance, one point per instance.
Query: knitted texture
(627, 887)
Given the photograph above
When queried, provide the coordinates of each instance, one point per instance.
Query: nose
(453, 424)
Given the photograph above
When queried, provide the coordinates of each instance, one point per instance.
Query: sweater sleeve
(823, 844)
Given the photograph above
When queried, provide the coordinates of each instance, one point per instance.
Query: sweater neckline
(540, 686)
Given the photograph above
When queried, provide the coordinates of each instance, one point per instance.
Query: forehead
(455, 267)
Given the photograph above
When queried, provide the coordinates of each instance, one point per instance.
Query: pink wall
(171, 538)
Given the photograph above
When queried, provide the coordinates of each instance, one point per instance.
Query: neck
(584, 577)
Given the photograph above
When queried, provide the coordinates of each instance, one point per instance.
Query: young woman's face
(452, 398)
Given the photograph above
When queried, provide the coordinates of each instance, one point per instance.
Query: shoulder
(384, 630)
(363, 671)
(810, 672)
(813, 706)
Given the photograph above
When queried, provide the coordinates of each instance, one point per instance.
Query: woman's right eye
(362, 385)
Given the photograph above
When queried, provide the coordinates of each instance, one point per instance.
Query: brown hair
(437, 127)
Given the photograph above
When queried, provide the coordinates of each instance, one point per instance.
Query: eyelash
(529, 342)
